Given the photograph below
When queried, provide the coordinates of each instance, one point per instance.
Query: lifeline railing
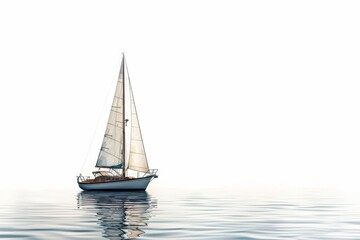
(151, 172)
(82, 178)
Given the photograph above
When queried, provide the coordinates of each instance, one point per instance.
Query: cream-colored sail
(111, 153)
(137, 155)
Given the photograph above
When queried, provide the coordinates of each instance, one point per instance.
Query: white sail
(137, 155)
(111, 153)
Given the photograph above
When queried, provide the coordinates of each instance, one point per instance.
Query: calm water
(171, 214)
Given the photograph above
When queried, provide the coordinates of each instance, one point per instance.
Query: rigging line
(97, 125)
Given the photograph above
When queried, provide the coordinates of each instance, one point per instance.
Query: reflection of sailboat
(121, 214)
(113, 172)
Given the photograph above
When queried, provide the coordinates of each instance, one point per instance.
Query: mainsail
(112, 149)
(137, 156)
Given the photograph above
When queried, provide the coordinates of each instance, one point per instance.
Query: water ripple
(202, 215)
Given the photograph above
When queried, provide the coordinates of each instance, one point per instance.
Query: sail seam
(138, 153)
(110, 154)
(115, 125)
(137, 169)
(113, 139)
(116, 111)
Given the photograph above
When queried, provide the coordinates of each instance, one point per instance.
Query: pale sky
(229, 93)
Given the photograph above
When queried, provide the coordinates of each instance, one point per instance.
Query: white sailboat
(113, 167)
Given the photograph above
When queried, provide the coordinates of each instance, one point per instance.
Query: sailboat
(113, 167)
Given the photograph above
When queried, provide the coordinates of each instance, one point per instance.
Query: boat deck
(106, 179)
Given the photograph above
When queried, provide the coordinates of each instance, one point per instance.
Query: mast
(123, 120)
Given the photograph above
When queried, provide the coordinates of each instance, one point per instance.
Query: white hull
(133, 184)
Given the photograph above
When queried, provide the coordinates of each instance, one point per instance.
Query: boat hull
(121, 185)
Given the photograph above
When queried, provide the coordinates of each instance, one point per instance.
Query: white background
(229, 93)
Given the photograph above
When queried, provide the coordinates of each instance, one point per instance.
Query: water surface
(174, 214)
